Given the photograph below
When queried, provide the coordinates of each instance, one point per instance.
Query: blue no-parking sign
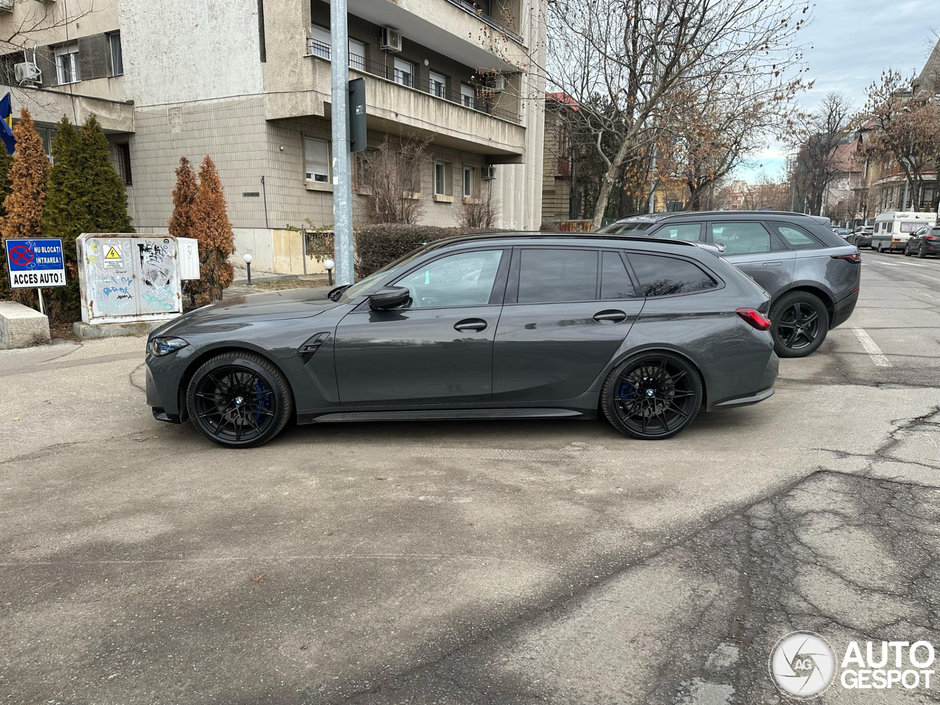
(35, 263)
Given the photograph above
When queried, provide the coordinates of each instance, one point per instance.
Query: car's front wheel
(239, 400)
(652, 396)
(799, 324)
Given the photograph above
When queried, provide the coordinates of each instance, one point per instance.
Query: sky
(848, 43)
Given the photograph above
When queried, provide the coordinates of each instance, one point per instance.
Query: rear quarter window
(662, 275)
(795, 237)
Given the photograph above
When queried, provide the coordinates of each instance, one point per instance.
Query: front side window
(464, 279)
(316, 161)
(404, 72)
(555, 276)
(66, 64)
(741, 238)
(665, 276)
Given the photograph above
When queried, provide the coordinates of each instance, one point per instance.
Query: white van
(894, 228)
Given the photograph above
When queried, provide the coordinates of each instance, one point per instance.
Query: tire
(907, 251)
(239, 400)
(652, 396)
(922, 251)
(799, 324)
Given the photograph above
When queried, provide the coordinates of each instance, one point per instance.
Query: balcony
(6, 5)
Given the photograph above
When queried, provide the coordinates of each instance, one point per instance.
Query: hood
(253, 308)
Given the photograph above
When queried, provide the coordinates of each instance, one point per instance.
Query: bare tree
(816, 162)
(391, 174)
(479, 213)
(628, 61)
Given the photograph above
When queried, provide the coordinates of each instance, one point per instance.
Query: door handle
(474, 324)
(775, 263)
(610, 314)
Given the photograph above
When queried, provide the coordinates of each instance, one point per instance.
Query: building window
(122, 162)
(438, 84)
(357, 55)
(66, 64)
(404, 72)
(468, 181)
(316, 161)
(467, 95)
(320, 41)
(117, 56)
(442, 179)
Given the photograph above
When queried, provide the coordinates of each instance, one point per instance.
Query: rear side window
(615, 282)
(741, 238)
(686, 231)
(553, 276)
(796, 238)
(664, 276)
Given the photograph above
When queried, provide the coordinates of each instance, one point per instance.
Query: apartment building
(248, 81)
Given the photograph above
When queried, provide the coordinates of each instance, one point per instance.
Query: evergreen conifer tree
(211, 227)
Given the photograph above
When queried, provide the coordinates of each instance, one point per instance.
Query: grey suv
(811, 274)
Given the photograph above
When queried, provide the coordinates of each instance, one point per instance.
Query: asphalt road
(511, 562)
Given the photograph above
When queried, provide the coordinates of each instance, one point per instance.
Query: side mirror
(388, 297)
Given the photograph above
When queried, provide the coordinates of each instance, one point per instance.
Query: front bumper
(155, 399)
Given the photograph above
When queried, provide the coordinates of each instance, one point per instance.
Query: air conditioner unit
(391, 39)
(489, 172)
(27, 73)
(497, 83)
(6, 5)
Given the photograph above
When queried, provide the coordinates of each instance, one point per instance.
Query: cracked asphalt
(512, 562)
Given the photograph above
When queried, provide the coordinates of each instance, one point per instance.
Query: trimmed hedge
(377, 245)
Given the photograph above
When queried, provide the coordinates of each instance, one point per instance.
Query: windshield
(363, 285)
(635, 225)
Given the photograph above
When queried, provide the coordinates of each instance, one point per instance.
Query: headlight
(164, 346)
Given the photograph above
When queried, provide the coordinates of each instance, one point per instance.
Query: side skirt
(442, 414)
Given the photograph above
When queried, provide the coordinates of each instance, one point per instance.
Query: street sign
(35, 263)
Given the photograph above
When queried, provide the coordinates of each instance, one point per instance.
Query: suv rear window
(660, 275)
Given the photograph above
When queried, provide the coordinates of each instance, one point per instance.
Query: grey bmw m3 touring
(643, 331)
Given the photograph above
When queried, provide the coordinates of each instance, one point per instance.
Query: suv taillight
(849, 258)
(755, 318)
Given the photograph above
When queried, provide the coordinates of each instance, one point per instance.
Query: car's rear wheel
(907, 251)
(652, 396)
(239, 400)
(799, 324)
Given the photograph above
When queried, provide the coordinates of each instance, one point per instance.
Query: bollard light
(247, 257)
(329, 265)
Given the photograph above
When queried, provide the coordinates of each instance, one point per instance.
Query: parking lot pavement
(509, 562)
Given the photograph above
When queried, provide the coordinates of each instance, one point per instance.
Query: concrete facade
(244, 82)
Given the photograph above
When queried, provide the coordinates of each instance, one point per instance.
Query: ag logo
(802, 664)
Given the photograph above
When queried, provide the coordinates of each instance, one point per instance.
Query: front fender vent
(312, 344)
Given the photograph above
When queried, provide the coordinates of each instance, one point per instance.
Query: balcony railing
(480, 11)
(479, 102)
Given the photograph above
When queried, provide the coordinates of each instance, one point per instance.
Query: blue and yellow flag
(6, 123)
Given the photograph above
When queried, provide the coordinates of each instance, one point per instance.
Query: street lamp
(328, 264)
(247, 257)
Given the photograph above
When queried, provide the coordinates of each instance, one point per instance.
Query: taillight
(755, 318)
(930, 237)
(856, 257)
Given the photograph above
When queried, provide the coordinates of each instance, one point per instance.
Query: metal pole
(342, 181)
(652, 203)
(41, 308)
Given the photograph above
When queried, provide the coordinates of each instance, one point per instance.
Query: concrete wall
(181, 50)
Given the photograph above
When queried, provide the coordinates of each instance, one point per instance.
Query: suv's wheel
(239, 400)
(799, 324)
(652, 396)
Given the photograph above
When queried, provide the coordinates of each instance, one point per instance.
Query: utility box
(188, 258)
(126, 278)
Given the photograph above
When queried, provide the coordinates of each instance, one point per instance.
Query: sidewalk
(240, 286)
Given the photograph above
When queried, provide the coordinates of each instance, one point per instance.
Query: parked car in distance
(811, 274)
(894, 228)
(842, 232)
(488, 326)
(861, 237)
(925, 241)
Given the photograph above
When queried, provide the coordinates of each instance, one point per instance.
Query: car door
(566, 313)
(756, 251)
(438, 349)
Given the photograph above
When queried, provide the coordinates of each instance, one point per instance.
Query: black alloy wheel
(652, 396)
(799, 324)
(239, 400)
